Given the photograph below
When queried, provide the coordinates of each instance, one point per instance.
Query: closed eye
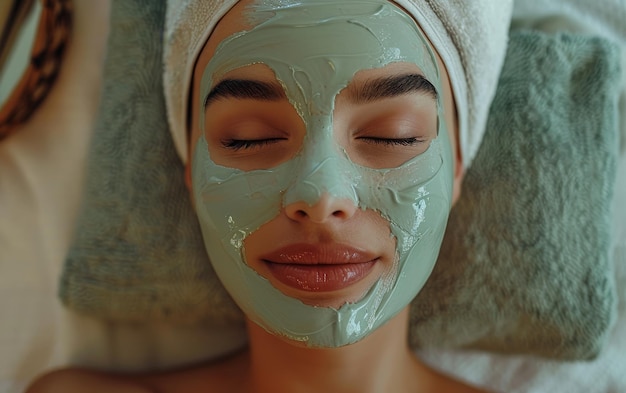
(394, 141)
(239, 144)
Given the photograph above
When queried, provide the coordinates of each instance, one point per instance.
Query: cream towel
(470, 36)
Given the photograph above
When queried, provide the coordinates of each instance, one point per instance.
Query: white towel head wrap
(470, 37)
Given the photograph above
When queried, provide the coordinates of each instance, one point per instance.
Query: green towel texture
(525, 266)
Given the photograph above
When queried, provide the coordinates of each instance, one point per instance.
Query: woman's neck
(381, 362)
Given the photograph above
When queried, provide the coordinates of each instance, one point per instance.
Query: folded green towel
(525, 263)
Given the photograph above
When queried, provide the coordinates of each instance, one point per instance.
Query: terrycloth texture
(138, 255)
(528, 245)
(469, 36)
(605, 18)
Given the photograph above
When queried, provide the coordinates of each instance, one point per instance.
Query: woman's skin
(382, 361)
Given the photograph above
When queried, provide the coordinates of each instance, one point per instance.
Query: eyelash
(238, 144)
(394, 142)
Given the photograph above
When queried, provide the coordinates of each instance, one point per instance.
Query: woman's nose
(328, 208)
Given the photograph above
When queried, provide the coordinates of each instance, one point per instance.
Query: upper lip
(312, 254)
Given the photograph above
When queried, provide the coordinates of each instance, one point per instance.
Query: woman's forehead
(318, 47)
(245, 15)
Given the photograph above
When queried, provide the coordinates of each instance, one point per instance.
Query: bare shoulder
(77, 380)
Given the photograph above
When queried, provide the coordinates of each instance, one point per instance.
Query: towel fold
(525, 263)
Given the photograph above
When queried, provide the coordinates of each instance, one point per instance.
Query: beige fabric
(41, 171)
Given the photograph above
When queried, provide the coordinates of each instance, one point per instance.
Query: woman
(323, 164)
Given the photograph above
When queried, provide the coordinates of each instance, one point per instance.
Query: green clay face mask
(315, 48)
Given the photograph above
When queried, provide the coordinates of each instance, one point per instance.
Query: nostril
(339, 214)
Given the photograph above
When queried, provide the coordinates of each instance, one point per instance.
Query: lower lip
(319, 277)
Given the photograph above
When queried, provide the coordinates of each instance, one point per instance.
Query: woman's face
(327, 251)
(322, 172)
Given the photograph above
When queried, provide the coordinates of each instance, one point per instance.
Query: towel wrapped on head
(470, 37)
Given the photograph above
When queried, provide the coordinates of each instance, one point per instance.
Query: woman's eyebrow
(388, 87)
(245, 89)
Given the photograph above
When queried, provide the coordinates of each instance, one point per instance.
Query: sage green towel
(525, 263)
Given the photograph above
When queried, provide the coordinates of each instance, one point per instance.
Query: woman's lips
(320, 278)
(319, 268)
